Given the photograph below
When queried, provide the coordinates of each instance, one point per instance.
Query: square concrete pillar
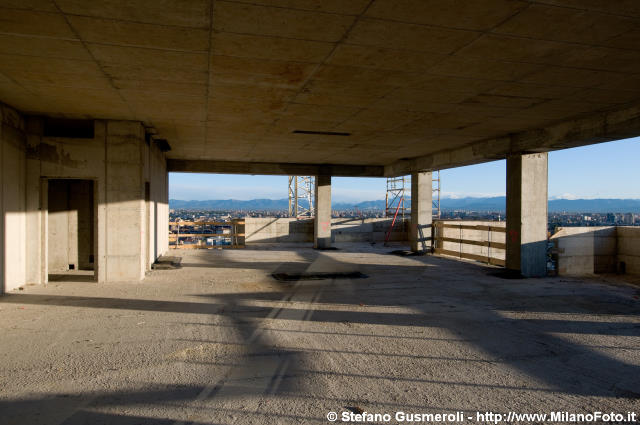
(125, 201)
(421, 212)
(322, 223)
(527, 214)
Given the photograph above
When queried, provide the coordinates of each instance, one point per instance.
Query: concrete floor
(220, 341)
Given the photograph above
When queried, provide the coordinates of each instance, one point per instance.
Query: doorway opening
(71, 230)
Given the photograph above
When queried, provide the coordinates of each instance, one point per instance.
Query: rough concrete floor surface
(220, 341)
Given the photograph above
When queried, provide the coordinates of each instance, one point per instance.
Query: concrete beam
(597, 128)
(421, 212)
(322, 222)
(272, 168)
(527, 214)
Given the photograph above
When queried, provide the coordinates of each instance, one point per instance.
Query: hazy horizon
(382, 199)
(601, 171)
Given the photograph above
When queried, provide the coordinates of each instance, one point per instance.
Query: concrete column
(34, 272)
(527, 214)
(157, 206)
(12, 191)
(2, 237)
(322, 223)
(421, 212)
(43, 255)
(125, 205)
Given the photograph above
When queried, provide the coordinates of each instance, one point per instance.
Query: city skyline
(606, 170)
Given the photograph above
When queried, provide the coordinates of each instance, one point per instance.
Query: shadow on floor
(465, 301)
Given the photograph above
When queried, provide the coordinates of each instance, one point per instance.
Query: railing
(204, 234)
(480, 241)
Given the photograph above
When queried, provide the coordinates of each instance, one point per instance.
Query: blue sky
(606, 170)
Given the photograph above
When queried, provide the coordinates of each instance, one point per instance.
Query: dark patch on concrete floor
(507, 274)
(407, 253)
(167, 263)
(289, 277)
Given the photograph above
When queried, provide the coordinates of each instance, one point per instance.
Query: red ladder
(395, 216)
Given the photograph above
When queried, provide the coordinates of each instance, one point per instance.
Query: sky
(606, 170)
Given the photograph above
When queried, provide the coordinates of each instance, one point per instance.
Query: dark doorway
(71, 233)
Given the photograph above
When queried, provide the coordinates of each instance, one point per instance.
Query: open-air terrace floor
(221, 341)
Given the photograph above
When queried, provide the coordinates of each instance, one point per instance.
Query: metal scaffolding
(301, 196)
(399, 191)
(397, 188)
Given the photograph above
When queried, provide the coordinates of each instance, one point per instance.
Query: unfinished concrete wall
(118, 161)
(115, 161)
(61, 158)
(12, 199)
(261, 230)
(629, 249)
(585, 250)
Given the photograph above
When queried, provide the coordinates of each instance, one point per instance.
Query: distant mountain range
(497, 203)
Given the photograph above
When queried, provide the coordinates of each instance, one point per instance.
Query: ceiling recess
(69, 128)
(321, 133)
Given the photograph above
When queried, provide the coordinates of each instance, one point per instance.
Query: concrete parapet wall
(589, 250)
(368, 229)
(629, 248)
(263, 230)
(484, 235)
(260, 230)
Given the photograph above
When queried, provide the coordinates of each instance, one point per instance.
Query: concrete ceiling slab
(629, 8)
(244, 18)
(192, 13)
(414, 82)
(11, 44)
(379, 58)
(351, 7)
(566, 24)
(478, 16)
(390, 35)
(34, 23)
(269, 48)
(124, 33)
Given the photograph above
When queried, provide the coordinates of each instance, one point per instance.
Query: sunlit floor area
(222, 341)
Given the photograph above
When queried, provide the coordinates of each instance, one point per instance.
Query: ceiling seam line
(289, 8)
(483, 33)
(104, 73)
(317, 66)
(560, 6)
(208, 90)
